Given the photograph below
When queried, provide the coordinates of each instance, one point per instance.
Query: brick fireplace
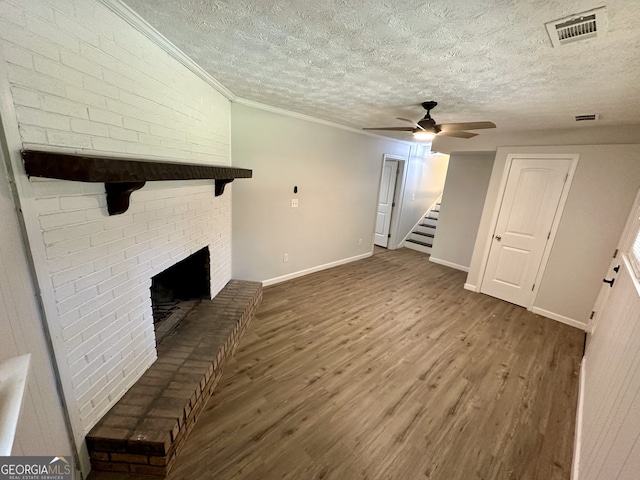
(158, 269)
(100, 268)
(77, 78)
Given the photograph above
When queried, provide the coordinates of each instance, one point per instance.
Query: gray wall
(462, 201)
(606, 181)
(337, 173)
(338, 176)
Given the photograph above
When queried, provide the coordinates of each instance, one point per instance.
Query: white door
(529, 204)
(385, 202)
(609, 446)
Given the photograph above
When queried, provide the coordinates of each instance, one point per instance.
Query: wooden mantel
(120, 176)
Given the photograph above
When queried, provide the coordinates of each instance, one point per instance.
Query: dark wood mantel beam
(123, 176)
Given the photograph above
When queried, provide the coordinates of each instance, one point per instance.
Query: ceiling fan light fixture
(423, 135)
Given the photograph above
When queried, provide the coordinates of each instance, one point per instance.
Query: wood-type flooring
(387, 369)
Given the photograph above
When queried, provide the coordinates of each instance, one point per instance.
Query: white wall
(604, 186)
(75, 76)
(41, 429)
(465, 189)
(337, 173)
(423, 185)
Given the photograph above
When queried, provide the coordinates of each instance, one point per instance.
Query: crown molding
(141, 25)
(308, 118)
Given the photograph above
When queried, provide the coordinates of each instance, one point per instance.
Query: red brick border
(145, 430)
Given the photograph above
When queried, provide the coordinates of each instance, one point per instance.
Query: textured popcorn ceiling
(363, 63)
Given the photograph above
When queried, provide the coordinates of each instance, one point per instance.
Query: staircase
(421, 238)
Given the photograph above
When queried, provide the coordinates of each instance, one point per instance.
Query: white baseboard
(577, 442)
(448, 264)
(473, 288)
(560, 318)
(307, 271)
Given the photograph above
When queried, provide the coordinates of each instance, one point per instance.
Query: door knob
(616, 269)
(498, 237)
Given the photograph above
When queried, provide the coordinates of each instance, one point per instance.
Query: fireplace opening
(178, 289)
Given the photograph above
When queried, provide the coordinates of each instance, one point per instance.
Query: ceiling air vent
(586, 118)
(580, 26)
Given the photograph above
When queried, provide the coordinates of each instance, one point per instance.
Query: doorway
(386, 202)
(532, 198)
(389, 200)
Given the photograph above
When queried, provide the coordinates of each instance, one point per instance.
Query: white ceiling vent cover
(580, 26)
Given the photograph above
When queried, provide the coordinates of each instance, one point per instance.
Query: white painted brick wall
(81, 78)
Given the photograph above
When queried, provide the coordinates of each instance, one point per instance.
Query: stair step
(424, 244)
(423, 234)
(418, 246)
(428, 229)
(430, 221)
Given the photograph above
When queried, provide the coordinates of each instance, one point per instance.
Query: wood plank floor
(387, 368)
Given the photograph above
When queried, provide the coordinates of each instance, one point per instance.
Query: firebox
(178, 289)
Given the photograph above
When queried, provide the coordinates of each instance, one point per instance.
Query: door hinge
(388, 235)
(548, 235)
(534, 286)
(615, 254)
(592, 315)
(566, 177)
(393, 204)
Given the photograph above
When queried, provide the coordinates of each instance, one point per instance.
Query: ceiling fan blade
(417, 125)
(396, 129)
(458, 134)
(466, 126)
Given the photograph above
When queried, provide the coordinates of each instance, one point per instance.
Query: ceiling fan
(427, 128)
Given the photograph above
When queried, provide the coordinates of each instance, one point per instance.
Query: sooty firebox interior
(178, 289)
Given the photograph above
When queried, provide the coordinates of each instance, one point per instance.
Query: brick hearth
(145, 430)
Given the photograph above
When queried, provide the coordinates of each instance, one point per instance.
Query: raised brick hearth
(145, 430)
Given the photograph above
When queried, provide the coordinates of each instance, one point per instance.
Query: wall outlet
(413, 197)
(285, 257)
(294, 203)
(360, 241)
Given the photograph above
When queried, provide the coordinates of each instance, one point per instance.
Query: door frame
(398, 196)
(574, 157)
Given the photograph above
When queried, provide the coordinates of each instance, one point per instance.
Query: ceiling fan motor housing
(429, 124)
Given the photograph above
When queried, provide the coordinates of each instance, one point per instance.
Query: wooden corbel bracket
(118, 195)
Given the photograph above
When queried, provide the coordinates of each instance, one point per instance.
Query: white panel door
(385, 202)
(529, 204)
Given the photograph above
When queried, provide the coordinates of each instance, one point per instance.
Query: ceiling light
(423, 136)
